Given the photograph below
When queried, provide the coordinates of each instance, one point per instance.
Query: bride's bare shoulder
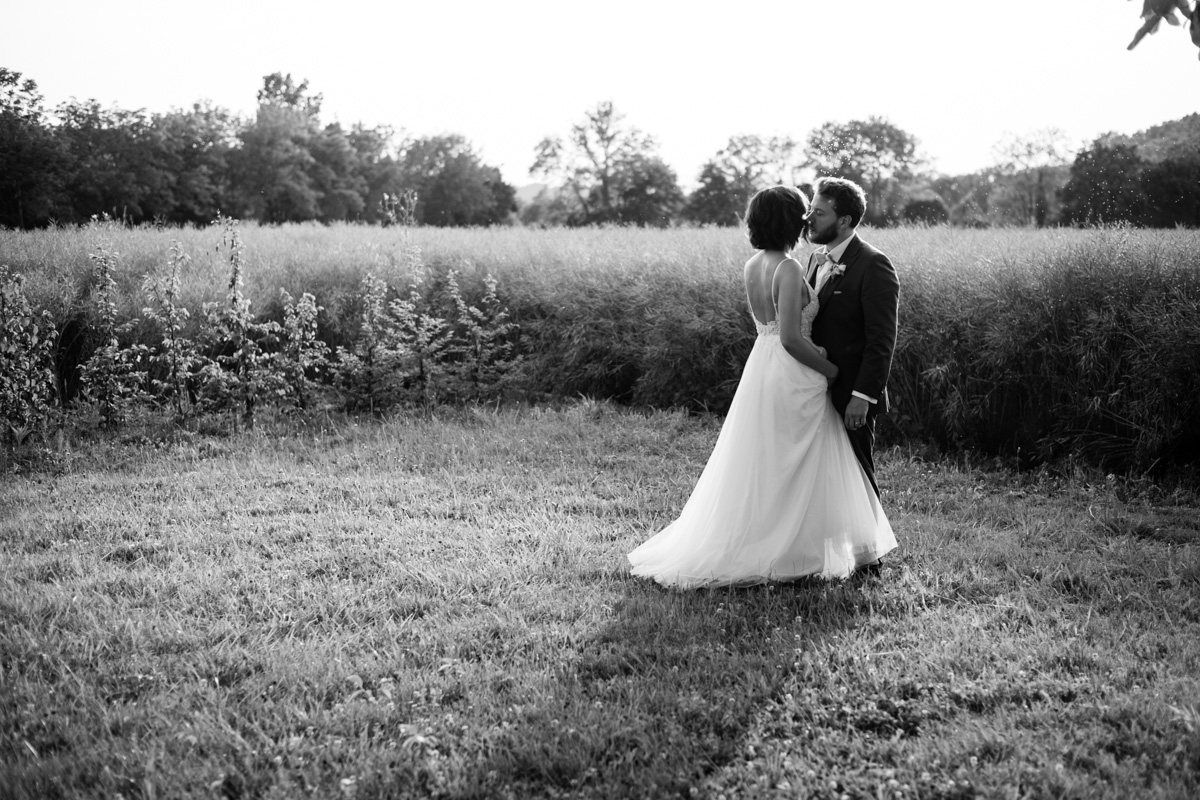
(757, 260)
(789, 279)
(787, 267)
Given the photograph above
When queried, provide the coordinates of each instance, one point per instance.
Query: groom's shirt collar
(839, 251)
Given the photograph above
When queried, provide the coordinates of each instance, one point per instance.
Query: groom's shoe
(872, 570)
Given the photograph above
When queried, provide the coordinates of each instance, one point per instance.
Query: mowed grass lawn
(441, 607)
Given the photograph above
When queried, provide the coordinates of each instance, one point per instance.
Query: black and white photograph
(497, 401)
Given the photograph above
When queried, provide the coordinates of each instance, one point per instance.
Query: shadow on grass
(666, 691)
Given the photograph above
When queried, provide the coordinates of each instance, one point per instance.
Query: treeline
(1112, 181)
(1150, 179)
(184, 167)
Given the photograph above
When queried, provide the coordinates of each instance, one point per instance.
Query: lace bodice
(766, 328)
(806, 321)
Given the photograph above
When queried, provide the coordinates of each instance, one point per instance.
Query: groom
(858, 292)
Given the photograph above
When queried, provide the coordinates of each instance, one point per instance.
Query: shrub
(428, 344)
(483, 346)
(176, 357)
(303, 356)
(26, 372)
(114, 377)
(420, 342)
(241, 374)
(366, 368)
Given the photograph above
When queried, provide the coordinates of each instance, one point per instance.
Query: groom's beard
(824, 236)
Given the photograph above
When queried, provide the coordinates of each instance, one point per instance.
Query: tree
(1031, 165)
(32, 161)
(873, 153)
(327, 184)
(716, 201)
(1104, 186)
(375, 165)
(648, 193)
(745, 165)
(117, 164)
(196, 148)
(968, 197)
(504, 197)
(599, 163)
(753, 163)
(1180, 137)
(283, 92)
(454, 188)
(930, 210)
(1172, 192)
(339, 185)
(275, 170)
(551, 207)
(272, 170)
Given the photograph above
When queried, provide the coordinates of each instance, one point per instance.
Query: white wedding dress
(782, 495)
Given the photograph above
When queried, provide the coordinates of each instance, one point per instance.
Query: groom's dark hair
(775, 218)
(847, 197)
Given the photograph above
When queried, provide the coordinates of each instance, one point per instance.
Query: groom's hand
(856, 413)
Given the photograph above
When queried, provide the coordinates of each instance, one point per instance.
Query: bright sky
(957, 74)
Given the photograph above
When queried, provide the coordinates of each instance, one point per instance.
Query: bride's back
(759, 278)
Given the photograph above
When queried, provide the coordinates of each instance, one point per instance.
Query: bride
(782, 495)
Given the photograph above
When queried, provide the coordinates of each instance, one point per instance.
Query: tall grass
(1088, 350)
(1028, 344)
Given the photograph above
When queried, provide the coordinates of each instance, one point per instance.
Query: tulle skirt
(782, 495)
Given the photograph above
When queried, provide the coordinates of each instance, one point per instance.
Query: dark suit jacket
(856, 323)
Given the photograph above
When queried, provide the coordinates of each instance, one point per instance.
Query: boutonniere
(837, 270)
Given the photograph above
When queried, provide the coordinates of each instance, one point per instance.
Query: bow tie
(825, 258)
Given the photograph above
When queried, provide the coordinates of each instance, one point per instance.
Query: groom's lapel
(848, 258)
(810, 274)
(827, 289)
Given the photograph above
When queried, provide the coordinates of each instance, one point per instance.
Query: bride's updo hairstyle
(775, 218)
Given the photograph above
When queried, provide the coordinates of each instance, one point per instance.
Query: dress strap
(806, 292)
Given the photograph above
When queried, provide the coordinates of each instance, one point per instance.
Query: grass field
(440, 607)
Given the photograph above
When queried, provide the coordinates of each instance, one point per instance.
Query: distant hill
(1178, 138)
(527, 194)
